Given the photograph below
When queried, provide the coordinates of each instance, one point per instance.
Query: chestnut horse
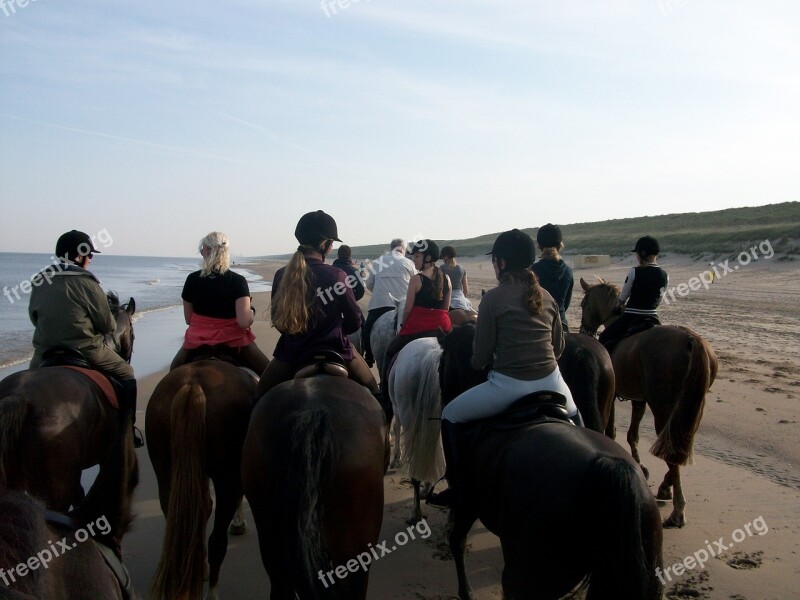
(74, 556)
(668, 368)
(55, 422)
(312, 467)
(196, 421)
(571, 508)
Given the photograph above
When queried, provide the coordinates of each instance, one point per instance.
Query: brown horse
(55, 422)
(71, 557)
(196, 422)
(586, 368)
(668, 368)
(313, 466)
(571, 508)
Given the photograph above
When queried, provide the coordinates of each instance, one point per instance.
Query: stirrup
(138, 437)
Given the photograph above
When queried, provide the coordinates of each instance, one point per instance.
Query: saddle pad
(102, 382)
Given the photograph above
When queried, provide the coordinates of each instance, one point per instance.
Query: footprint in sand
(744, 560)
(695, 587)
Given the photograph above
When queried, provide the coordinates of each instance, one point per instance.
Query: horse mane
(113, 301)
(22, 535)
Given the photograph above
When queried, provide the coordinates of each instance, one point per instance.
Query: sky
(158, 122)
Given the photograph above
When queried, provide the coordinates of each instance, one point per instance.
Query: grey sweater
(523, 345)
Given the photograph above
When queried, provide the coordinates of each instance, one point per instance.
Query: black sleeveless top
(426, 298)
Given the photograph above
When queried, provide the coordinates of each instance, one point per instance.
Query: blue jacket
(556, 277)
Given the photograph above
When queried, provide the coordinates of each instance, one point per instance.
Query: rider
(641, 294)
(344, 261)
(458, 277)
(427, 304)
(518, 332)
(313, 307)
(388, 282)
(216, 307)
(70, 309)
(554, 274)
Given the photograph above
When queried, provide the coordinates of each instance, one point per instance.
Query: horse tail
(13, 414)
(674, 442)
(422, 437)
(586, 389)
(310, 459)
(179, 574)
(628, 549)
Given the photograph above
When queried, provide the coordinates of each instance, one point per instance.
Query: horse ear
(584, 285)
(130, 307)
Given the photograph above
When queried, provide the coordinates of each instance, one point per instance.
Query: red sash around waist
(426, 319)
(214, 332)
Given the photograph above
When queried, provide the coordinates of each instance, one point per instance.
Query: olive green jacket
(69, 308)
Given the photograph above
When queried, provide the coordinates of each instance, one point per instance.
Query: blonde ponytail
(293, 307)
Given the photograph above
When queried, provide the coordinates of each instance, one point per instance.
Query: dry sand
(747, 454)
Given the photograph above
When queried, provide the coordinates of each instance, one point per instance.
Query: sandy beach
(743, 489)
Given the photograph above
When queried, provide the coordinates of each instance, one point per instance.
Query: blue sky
(162, 121)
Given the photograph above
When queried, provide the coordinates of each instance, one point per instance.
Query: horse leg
(396, 450)
(238, 524)
(461, 522)
(637, 414)
(229, 497)
(416, 510)
(678, 516)
(611, 427)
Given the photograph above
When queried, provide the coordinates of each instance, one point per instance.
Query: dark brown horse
(668, 368)
(312, 468)
(196, 422)
(570, 507)
(55, 422)
(75, 556)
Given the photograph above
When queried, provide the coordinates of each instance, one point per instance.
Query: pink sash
(211, 331)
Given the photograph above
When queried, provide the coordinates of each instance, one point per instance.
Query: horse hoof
(674, 522)
(240, 529)
(664, 494)
(414, 519)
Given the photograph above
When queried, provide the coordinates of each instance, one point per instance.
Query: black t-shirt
(426, 295)
(215, 295)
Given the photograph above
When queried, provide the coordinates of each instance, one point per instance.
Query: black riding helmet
(74, 244)
(647, 246)
(549, 236)
(516, 248)
(426, 247)
(314, 227)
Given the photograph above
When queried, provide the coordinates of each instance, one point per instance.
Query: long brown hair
(293, 306)
(533, 295)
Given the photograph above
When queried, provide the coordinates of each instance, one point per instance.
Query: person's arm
(449, 293)
(413, 287)
(188, 311)
(558, 335)
(485, 340)
(358, 290)
(627, 287)
(352, 319)
(465, 285)
(370, 279)
(568, 297)
(244, 316)
(98, 309)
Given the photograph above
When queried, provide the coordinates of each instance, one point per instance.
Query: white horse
(417, 400)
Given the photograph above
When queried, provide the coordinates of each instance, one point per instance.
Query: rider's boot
(127, 409)
(577, 419)
(451, 443)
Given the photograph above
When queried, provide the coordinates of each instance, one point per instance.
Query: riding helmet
(549, 236)
(516, 248)
(647, 245)
(427, 247)
(314, 227)
(74, 244)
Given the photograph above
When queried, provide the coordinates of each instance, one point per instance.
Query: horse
(571, 508)
(587, 370)
(55, 422)
(312, 467)
(668, 368)
(86, 559)
(196, 421)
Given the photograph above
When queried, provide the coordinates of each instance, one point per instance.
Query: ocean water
(155, 283)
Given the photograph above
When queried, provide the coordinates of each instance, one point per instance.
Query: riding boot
(127, 409)
(577, 419)
(451, 444)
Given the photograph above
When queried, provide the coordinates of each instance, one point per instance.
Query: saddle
(532, 409)
(111, 559)
(640, 325)
(218, 352)
(324, 362)
(72, 358)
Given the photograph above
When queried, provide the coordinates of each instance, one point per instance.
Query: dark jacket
(346, 266)
(556, 277)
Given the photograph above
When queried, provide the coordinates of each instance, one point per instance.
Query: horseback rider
(427, 304)
(519, 333)
(313, 307)
(217, 309)
(458, 277)
(387, 282)
(344, 261)
(70, 309)
(640, 296)
(553, 273)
